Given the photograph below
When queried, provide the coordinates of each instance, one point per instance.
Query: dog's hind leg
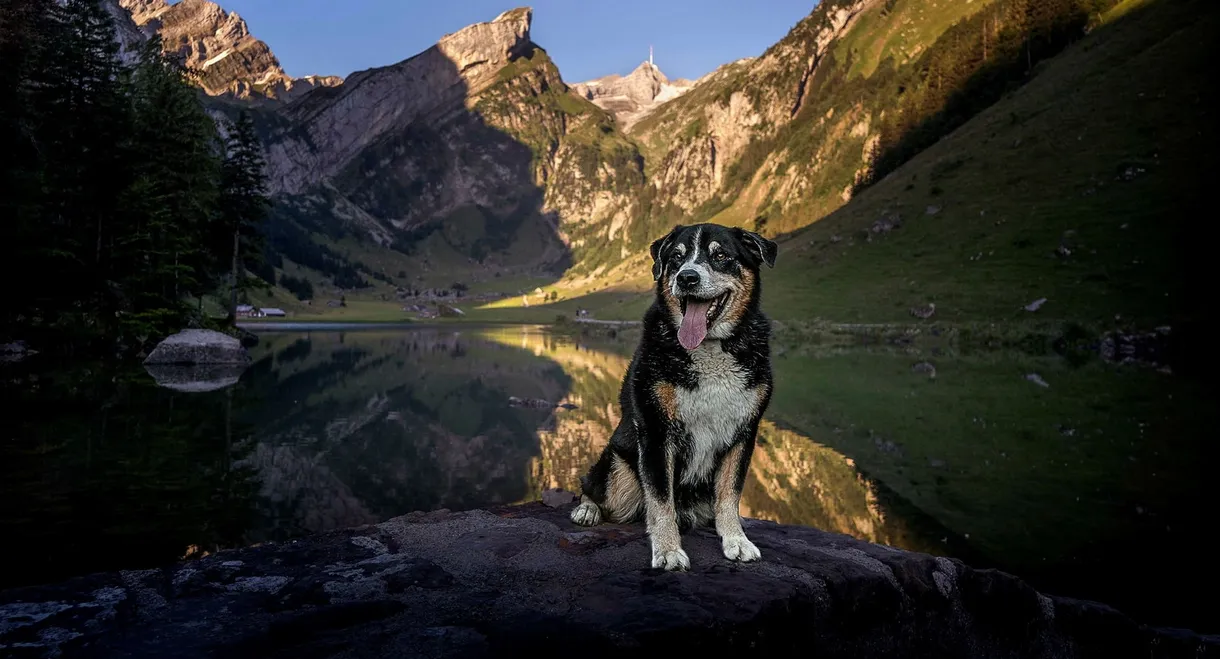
(624, 496)
(730, 479)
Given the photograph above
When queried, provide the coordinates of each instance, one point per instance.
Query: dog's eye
(720, 257)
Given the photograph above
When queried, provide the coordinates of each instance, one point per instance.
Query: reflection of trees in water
(102, 469)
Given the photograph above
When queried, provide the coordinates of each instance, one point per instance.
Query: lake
(1093, 486)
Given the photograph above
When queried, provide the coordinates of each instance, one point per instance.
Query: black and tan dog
(692, 397)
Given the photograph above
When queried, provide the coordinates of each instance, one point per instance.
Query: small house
(246, 310)
(272, 312)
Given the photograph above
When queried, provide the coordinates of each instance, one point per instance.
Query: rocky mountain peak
(479, 50)
(633, 96)
(219, 44)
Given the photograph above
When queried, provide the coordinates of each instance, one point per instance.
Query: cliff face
(696, 139)
(474, 149)
(219, 45)
(330, 130)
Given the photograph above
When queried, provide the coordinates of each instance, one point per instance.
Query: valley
(989, 335)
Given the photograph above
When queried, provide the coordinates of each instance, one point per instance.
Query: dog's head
(707, 278)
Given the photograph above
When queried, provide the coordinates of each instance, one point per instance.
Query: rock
(932, 210)
(888, 446)
(886, 224)
(1036, 304)
(1130, 172)
(926, 311)
(218, 45)
(1037, 379)
(13, 348)
(196, 346)
(632, 97)
(924, 368)
(536, 403)
(196, 378)
(1142, 348)
(556, 497)
(446, 311)
(510, 581)
(15, 351)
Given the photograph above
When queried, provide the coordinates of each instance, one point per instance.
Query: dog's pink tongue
(694, 324)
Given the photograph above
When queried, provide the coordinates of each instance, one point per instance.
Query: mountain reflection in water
(361, 426)
(329, 429)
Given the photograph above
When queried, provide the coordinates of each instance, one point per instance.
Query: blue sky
(587, 39)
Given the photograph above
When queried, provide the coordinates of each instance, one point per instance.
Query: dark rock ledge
(524, 580)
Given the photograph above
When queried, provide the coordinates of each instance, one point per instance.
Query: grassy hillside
(1083, 186)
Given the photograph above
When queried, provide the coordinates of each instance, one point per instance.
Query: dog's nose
(688, 280)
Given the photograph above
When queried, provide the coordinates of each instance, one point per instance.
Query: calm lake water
(1092, 487)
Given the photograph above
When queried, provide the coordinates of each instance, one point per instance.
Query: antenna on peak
(650, 55)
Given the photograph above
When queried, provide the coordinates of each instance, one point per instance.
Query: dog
(692, 397)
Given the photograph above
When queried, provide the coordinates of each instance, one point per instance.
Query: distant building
(272, 312)
(247, 310)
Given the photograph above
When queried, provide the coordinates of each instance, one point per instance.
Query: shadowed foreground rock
(525, 580)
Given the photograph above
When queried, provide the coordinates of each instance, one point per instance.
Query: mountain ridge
(503, 177)
(218, 44)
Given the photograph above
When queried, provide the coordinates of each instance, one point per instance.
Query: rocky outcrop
(218, 44)
(514, 580)
(474, 146)
(699, 137)
(630, 98)
(329, 131)
(127, 33)
(198, 346)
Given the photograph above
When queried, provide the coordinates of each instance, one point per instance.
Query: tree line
(122, 199)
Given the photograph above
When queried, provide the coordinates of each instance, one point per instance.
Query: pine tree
(77, 122)
(243, 202)
(172, 200)
(25, 33)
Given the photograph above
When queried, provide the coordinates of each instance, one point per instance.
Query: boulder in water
(199, 346)
(195, 378)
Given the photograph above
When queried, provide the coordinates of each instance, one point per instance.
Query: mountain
(473, 162)
(469, 161)
(630, 98)
(219, 45)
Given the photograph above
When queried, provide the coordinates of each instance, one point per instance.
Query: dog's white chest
(715, 410)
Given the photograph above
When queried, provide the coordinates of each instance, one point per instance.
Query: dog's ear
(657, 249)
(763, 250)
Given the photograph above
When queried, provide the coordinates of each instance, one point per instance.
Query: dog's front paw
(587, 514)
(671, 559)
(739, 548)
